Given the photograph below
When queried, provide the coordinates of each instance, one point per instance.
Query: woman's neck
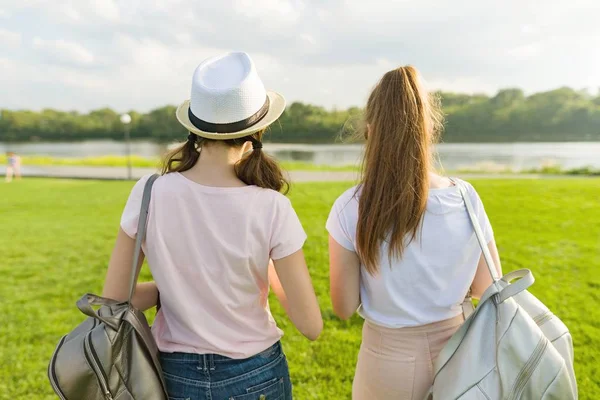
(438, 182)
(216, 166)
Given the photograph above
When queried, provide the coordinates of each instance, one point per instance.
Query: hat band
(231, 126)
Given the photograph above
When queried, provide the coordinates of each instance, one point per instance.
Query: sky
(140, 54)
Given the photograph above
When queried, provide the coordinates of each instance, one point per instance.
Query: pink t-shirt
(208, 249)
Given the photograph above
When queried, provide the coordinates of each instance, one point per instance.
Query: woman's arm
(344, 279)
(300, 300)
(275, 284)
(116, 284)
(482, 279)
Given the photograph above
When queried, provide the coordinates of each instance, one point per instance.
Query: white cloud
(105, 9)
(31, 90)
(528, 29)
(308, 43)
(526, 51)
(141, 54)
(384, 63)
(290, 10)
(63, 51)
(7, 64)
(323, 14)
(461, 85)
(71, 13)
(184, 38)
(9, 38)
(308, 39)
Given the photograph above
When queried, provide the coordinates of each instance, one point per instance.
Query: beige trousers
(397, 363)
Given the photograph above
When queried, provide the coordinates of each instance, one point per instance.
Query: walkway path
(120, 173)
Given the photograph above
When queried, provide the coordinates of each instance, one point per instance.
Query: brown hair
(401, 124)
(255, 167)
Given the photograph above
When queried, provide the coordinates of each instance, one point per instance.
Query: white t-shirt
(208, 249)
(431, 280)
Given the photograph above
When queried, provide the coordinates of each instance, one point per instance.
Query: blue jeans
(264, 376)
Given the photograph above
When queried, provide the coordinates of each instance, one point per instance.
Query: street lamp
(7, 137)
(7, 141)
(126, 120)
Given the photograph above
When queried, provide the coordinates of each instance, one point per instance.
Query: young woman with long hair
(219, 232)
(402, 250)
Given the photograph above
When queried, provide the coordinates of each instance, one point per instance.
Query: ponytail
(183, 157)
(260, 169)
(402, 122)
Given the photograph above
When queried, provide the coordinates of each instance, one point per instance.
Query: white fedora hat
(228, 99)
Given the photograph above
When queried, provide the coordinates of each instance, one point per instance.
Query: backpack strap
(489, 261)
(525, 276)
(141, 232)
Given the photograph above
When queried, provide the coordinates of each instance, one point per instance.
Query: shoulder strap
(489, 261)
(141, 232)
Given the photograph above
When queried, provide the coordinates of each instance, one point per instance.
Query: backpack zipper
(92, 358)
(52, 373)
(528, 369)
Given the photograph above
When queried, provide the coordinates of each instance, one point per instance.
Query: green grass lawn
(56, 237)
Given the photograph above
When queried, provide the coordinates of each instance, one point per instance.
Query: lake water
(453, 156)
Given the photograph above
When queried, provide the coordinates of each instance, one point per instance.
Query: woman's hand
(145, 296)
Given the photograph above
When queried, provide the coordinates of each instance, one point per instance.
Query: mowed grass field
(56, 237)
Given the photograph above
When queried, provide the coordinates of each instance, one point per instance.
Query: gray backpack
(511, 347)
(112, 354)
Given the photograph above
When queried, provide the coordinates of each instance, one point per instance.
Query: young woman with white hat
(219, 233)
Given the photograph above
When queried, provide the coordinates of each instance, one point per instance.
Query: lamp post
(7, 141)
(7, 138)
(126, 120)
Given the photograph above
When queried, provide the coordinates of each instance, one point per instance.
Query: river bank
(119, 163)
(120, 173)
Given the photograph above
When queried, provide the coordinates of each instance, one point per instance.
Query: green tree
(563, 114)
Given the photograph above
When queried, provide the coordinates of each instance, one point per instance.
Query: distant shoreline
(142, 162)
(289, 143)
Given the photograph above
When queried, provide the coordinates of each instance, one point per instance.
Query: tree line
(562, 114)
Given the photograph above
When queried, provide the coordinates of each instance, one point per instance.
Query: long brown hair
(254, 168)
(401, 125)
